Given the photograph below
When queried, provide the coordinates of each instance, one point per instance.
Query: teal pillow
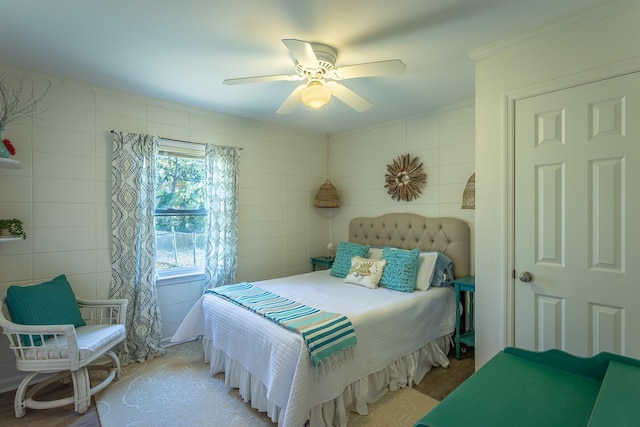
(401, 270)
(48, 303)
(346, 251)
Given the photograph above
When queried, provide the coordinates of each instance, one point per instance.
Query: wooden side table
(464, 284)
(321, 261)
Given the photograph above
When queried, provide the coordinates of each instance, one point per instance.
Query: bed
(400, 335)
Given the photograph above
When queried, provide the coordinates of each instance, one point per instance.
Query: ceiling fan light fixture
(315, 63)
(316, 95)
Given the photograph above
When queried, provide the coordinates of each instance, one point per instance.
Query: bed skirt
(406, 371)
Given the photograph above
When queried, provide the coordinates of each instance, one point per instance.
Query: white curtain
(133, 262)
(222, 167)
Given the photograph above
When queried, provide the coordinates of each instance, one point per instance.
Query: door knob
(525, 276)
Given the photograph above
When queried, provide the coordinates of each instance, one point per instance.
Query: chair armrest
(103, 312)
(14, 331)
(16, 328)
(58, 342)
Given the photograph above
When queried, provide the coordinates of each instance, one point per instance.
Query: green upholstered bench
(553, 388)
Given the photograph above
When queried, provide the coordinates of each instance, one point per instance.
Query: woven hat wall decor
(405, 178)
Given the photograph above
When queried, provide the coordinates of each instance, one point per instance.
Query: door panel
(577, 157)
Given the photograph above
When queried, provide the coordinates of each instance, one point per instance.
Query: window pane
(179, 183)
(180, 238)
(180, 241)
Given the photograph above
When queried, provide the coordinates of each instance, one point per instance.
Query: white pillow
(365, 272)
(375, 253)
(426, 266)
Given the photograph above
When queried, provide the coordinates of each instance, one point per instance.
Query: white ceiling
(181, 51)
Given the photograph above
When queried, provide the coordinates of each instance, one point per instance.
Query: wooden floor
(57, 417)
(438, 383)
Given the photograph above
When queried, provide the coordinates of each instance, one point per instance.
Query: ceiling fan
(316, 66)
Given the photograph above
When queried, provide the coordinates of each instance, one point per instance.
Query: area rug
(177, 390)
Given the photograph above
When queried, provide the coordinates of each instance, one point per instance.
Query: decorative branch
(12, 107)
(405, 178)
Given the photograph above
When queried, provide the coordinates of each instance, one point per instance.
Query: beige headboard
(408, 231)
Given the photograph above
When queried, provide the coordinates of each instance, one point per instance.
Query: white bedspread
(389, 325)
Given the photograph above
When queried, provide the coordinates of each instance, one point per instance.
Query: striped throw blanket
(325, 334)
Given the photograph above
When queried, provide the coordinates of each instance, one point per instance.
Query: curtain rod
(182, 140)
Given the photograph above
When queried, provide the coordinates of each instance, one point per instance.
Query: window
(180, 213)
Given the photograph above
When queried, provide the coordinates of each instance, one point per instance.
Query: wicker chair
(65, 351)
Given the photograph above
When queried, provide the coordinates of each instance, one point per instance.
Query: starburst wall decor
(405, 178)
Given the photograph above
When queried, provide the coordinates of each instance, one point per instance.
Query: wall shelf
(9, 163)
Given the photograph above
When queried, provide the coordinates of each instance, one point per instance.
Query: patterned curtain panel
(221, 263)
(133, 263)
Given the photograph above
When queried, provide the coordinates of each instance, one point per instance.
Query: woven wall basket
(327, 196)
(469, 194)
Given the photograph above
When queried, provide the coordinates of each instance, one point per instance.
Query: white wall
(445, 143)
(62, 193)
(566, 54)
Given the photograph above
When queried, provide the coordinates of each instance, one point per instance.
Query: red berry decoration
(9, 147)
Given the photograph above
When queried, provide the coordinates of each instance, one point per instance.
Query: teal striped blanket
(325, 334)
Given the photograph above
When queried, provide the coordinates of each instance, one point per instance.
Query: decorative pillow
(48, 303)
(346, 251)
(375, 253)
(365, 272)
(400, 272)
(426, 266)
(443, 271)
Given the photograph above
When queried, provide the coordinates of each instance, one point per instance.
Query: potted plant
(12, 227)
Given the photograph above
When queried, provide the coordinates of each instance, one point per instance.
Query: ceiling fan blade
(349, 97)
(256, 79)
(303, 52)
(291, 102)
(369, 69)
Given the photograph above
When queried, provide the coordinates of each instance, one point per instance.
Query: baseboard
(168, 343)
(11, 383)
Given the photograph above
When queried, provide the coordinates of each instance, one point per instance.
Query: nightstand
(464, 284)
(321, 261)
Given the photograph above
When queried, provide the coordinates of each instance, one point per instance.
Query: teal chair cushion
(48, 303)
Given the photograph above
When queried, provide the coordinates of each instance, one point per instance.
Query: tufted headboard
(407, 231)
